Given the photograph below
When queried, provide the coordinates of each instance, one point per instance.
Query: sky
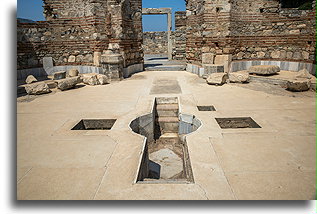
(32, 9)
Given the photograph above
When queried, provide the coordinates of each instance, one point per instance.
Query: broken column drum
(112, 65)
(165, 157)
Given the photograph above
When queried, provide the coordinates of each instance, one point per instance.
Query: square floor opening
(206, 108)
(94, 124)
(237, 123)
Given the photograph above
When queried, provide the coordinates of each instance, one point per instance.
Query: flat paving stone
(170, 163)
(274, 162)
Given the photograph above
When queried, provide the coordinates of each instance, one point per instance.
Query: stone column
(169, 36)
(112, 64)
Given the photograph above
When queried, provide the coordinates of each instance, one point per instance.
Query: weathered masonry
(105, 36)
(242, 33)
(96, 34)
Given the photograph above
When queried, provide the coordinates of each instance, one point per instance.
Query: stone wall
(194, 30)
(179, 35)
(155, 42)
(265, 31)
(249, 30)
(78, 32)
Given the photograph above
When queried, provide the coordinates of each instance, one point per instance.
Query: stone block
(304, 74)
(239, 77)
(212, 68)
(264, 69)
(217, 78)
(37, 88)
(208, 58)
(224, 60)
(30, 79)
(298, 85)
(68, 83)
(97, 58)
(103, 79)
(90, 79)
(59, 75)
(71, 58)
(73, 72)
(228, 50)
(47, 63)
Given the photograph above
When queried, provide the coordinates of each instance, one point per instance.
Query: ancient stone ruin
(106, 37)
(220, 108)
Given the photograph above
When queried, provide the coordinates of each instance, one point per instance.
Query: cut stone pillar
(97, 56)
(48, 64)
(212, 68)
(112, 64)
(224, 60)
(169, 34)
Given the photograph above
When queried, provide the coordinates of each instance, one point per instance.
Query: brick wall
(250, 30)
(194, 30)
(179, 35)
(75, 31)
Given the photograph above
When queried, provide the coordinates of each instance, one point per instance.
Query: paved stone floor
(276, 161)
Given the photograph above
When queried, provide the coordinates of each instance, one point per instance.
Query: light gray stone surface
(212, 68)
(30, 79)
(132, 69)
(59, 75)
(239, 77)
(284, 65)
(298, 84)
(47, 63)
(73, 72)
(37, 88)
(103, 79)
(304, 74)
(264, 69)
(68, 83)
(90, 79)
(217, 78)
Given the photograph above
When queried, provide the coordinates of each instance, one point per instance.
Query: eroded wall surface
(155, 42)
(250, 30)
(179, 35)
(78, 32)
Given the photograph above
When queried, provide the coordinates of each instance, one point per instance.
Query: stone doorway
(168, 12)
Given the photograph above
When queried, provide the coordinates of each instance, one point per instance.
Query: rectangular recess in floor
(237, 123)
(206, 108)
(94, 124)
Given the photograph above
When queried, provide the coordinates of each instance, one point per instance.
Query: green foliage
(306, 6)
(300, 4)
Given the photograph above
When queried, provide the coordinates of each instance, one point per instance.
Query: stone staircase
(160, 62)
(168, 121)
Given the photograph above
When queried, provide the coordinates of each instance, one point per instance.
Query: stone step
(167, 107)
(167, 110)
(171, 135)
(167, 119)
(168, 124)
(166, 100)
(167, 113)
(166, 68)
